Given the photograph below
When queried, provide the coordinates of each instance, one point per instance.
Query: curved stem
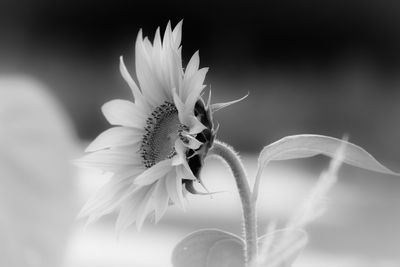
(248, 206)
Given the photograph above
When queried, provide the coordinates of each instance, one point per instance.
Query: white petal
(195, 126)
(193, 142)
(114, 159)
(128, 149)
(209, 100)
(172, 72)
(186, 116)
(128, 78)
(167, 35)
(149, 84)
(175, 71)
(184, 172)
(149, 50)
(193, 65)
(157, 41)
(182, 112)
(193, 97)
(177, 160)
(128, 171)
(145, 208)
(177, 34)
(161, 198)
(193, 86)
(105, 200)
(110, 195)
(154, 173)
(124, 113)
(158, 65)
(180, 157)
(107, 160)
(218, 106)
(130, 209)
(117, 136)
(174, 188)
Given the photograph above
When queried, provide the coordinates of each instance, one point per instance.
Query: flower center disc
(162, 129)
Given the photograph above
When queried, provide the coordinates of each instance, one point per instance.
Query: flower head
(159, 142)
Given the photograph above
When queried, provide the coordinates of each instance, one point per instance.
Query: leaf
(281, 248)
(226, 253)
(209, 248)
(308, 145)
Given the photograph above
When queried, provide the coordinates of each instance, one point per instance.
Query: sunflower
(157, 146)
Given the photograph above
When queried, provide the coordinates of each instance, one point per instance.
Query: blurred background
(326, 67)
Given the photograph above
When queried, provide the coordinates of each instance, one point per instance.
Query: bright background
(328, 67)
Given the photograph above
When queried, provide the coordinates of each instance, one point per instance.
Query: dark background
(328, 67)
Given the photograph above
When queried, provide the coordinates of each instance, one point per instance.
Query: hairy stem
(248, 206)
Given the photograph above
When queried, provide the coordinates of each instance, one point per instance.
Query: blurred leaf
(307, 145)
(209, 248)
(281, 248)
(226, 253)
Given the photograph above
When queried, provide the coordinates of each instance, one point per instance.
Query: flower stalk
(229, 155)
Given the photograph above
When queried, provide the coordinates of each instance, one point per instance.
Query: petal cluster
(164, 118)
